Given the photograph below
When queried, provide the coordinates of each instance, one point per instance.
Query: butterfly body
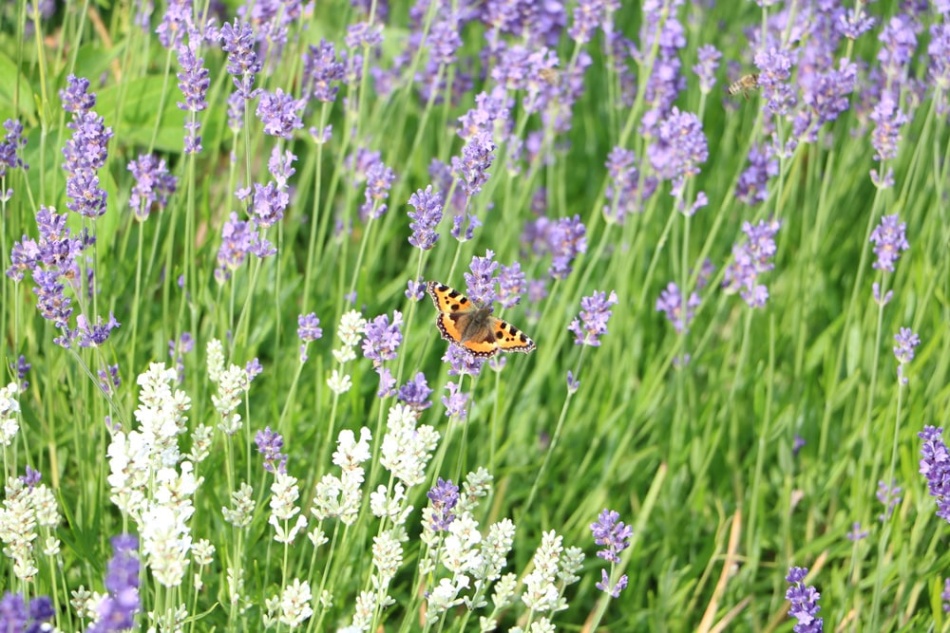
(474, 327)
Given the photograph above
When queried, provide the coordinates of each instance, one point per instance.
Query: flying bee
(549, 75)
(744, 85)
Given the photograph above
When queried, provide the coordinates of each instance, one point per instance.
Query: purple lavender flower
(775, 69)
(177, 350)
(253, 369)
(512, 283)
(610, 531)
(588, 15)
(269, 444)
(825, 95)
(237, 41)
(308, 327)
(76, 97)
(280, 113)
(237, 240)
(890, 240)
(567, 239)
(425, 219)
(622, 190)
(415, 289)
(670, 302)
(383, 338)
(708, 58)
(945, 595)
(90, 335)
(471, 168)
(281, 167)
(907, 341)
(456, 403)
(17, 615)
(268, 203)
(889, 496)
(679, 148)
(416, 393)
(462, 362)
(444, 496)
(31, 477)
(854, 22)
(153, 185)
(887, 132)
(938, 72)
(592, 322)
(193, 80)
(604, 584)
(898, 41)
(387, 383)
(13, 142)
(364, 35)
(22, 369)
(798, 443)
(117, 610)
(175, 23)
(750, 260)
(752, 187)
(321, 68)
(481, 281)
(856, 533)
(444, 40)
(804, 602)
(935, 467)
(84, 153)
(573, 384)
(379, 179)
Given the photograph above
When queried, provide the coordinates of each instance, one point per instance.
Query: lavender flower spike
(804, 601)
(890, 240)
(592, 322)
(935, 467)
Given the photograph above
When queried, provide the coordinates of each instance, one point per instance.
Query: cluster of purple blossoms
(269, 444)
(611, 533)
(462, 362)
(775, 71)
(907, 342)
(679, 148)
(456, 403)
(322, 71)
(588, 16)
(237, 40)
(752, 187)
(84, 153)
(280, 113)
(623, 191)
(856, 533)
(887, 132)
(663, 30)
(308, 331)
(750, 260)
(416, 393)
(471, 169)
(592, 322)
(670, 303)
(383, 338)
(13, 142)
(889, 496)
(175, 23)
(22, 368)
(565, 239)
(458, 203)
(708, 58)
(938, 72)
(804, 602)
(425, 219)
(444, 496)
(512, 283)
(379, 180)
(193, 81)
(481, 282)
(153, 185)
(177, 350)
(825, 95)
(945, 595)
(890, 240)
(935, 467)
(898, 42)
(238, 240)
(30, 478)
(117, 610)
(18, 615)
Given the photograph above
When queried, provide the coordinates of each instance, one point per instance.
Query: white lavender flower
(295, 604)
(406, 450)
(242, 501)
(339, 383)
(541, 592)
(9, 409)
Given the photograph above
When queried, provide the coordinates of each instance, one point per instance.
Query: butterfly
(472, 326)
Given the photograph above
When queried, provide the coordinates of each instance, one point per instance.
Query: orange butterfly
(472, 326)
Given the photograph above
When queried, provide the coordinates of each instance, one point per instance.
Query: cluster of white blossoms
(9, 408)
(27, 510)
(291, 608)
(554, 569)
(283, 505)
(232, 383)
(340, 497)
(151, 480)
(352, 326)
(406, 449)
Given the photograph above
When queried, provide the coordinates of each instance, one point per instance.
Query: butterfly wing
(509, 338)
(447, 299)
